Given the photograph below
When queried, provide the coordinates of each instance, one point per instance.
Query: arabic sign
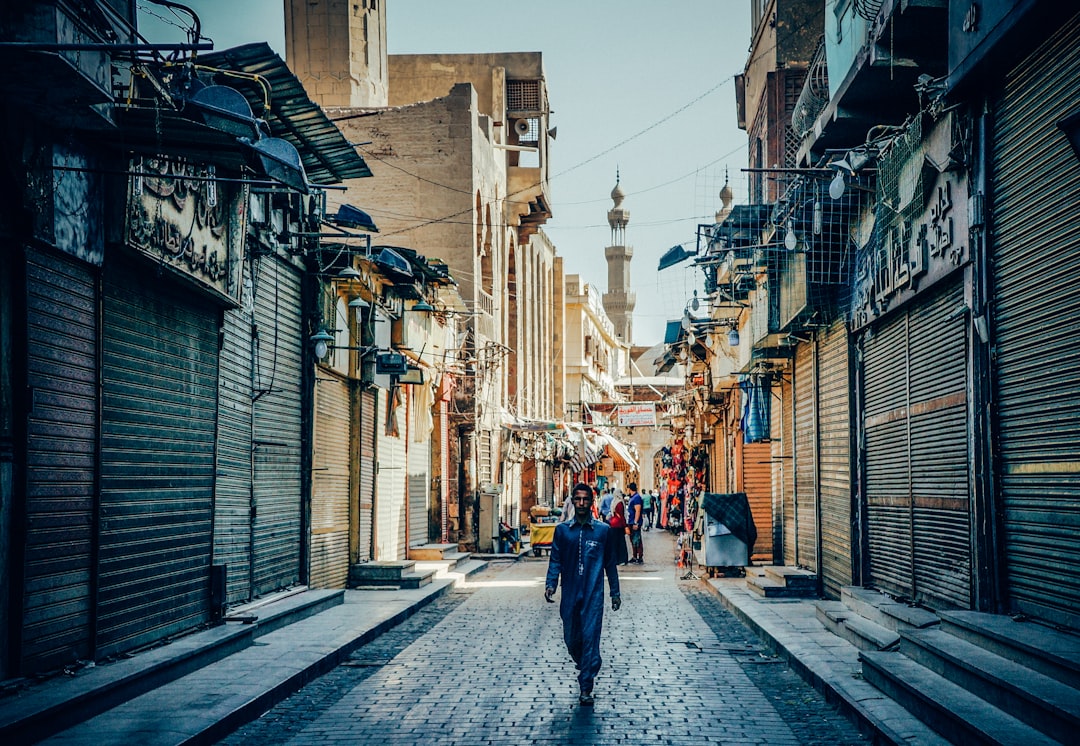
(642, 414)
(183, 218)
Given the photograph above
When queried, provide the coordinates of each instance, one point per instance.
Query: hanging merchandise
(756, 409)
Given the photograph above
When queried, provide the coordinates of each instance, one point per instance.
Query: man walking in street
(648, 502)
(634, 520)
(582, 552)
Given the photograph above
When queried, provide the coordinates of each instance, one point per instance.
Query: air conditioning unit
(391, 364)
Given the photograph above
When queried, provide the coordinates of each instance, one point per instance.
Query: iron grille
(523, 95)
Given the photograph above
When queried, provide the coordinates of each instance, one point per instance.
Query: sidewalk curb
(252, 709)
(870, 709)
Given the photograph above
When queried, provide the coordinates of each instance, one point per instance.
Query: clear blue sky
(641, 86)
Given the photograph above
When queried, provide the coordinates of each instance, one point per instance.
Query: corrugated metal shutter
(834, 458)
(159, 410)
(1037, 319)
(366, 445)
(940, 453)
(277, 424)
(888, 468)
(757, 484)
(62, 378)
(805, 458)
(419, 459)
(918, 451)
(390, 498)
(786, 480)
(330, 483)
(232, 485)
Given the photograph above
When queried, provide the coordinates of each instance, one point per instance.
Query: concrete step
(380, 570)
(275, 612)
(885, 611)
(860, 632)
(1049, 651)
(428, 552)
(769, 588)
(1040, 701)
(792, 577)
(951, 710)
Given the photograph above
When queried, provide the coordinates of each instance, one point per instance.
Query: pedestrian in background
(634, 518)
(618, 522)
(648, 503)
(582, 553)
(605, 505)
(567, 509)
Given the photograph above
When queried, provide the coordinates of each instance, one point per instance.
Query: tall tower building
(619, 300)
(338, 51)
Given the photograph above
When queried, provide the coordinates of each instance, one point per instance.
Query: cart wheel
(536, 552)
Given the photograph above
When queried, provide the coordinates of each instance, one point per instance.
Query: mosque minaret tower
(619, 300)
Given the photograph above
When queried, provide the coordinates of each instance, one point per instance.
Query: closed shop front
(390, 504)
(1036, 319)
(419, 460)
(159, 411)
(783, 438)
(330, 482)
(805, 457)
(276, 412)
(365, 443)
(61, 436)
(915, 416)
(757, 484)
(834, 457)
(233, 499)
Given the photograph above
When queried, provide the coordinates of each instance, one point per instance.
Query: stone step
(1039, 700)
(383, 570)
(274, 613)
(1049, 651)
(428, 552)
(860, 632)
(792, 577)
(951, 710)
(769, 588)
(885, 611)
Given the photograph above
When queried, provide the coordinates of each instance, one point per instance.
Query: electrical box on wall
(391, 364)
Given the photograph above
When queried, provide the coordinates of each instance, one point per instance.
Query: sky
(638, 88)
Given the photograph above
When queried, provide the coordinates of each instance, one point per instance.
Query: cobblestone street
(486, 665)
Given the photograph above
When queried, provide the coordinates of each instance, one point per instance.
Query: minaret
(338, 51)
(619, 301)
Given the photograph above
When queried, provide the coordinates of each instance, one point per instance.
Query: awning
(328, 157)
(621, 451)
(587, 453)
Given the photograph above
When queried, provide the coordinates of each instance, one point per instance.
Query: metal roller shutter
(1037, 321)
(390, 499)
(805, 458)
(940, 454)
(888, 469)
(330, 483)
(787, 465)
(834, 458)
(276, 412)
(366, 470)
(419, 459)
(62, 378)
(757, 484)
(918, 451)
(159, 409)
(232, 485)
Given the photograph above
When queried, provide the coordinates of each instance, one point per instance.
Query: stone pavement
(685, 661)
(494, 671)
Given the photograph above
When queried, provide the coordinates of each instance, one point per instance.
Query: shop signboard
(186, 220)
(640, 414)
